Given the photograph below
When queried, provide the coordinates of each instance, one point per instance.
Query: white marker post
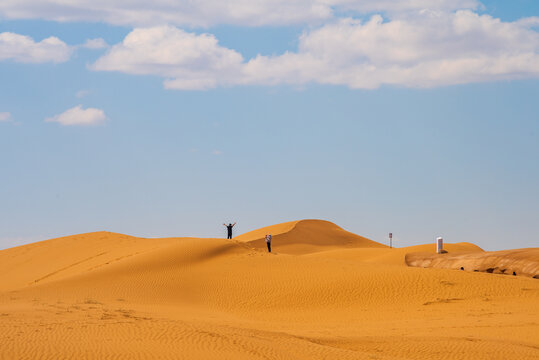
(390, 240)
(439, 245)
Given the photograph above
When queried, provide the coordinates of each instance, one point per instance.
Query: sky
(415, 117)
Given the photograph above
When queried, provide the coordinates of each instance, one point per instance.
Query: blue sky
(331, 115)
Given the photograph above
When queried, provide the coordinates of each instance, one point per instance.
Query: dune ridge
(324, 294)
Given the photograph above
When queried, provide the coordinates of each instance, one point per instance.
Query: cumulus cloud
(20, 48)
(5, 117)
(204, 13)
(425, 50)
(79, 116)
(431, 49)
(187, 61)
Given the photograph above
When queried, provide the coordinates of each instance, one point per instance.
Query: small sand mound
(388, 256)
(305, 237)
(523, 262)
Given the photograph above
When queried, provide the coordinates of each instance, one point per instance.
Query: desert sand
(324, 293)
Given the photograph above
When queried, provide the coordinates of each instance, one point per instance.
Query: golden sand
(324, 293)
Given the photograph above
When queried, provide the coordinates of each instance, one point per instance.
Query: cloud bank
(410, 43)
(79, 116)
(429, 49)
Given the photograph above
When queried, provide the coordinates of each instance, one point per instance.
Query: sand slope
(324, 294)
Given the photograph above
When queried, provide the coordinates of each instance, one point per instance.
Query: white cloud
(424, 50)
(95, 44)
(188, 61)
(217, 152)
(430, 49)
(5, 117)
(24, 49)
(204, 13)
(79, 116)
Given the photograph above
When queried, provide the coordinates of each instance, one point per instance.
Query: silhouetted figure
(461, 268)
(514, 273)
(229, 230)
(268, 242)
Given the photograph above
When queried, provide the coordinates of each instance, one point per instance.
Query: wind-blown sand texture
(324, 294)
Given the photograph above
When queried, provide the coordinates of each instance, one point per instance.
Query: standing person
(268, 242)
(229, 230)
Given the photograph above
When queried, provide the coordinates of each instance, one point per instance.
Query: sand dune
(324, 293)
(306, 236)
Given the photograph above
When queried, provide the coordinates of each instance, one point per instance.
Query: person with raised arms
(229, 230)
